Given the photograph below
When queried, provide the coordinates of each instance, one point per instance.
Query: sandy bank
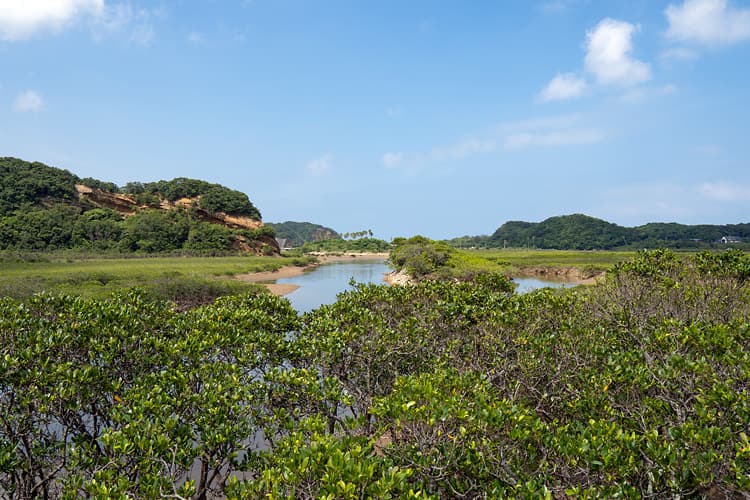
(399, 278)
(280, 288)
(570, 275)
(266, 277)
(561, 274)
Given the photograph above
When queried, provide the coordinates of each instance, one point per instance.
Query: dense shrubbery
(420, 256)
(636, 387)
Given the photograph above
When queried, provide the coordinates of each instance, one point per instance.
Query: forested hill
(47, 208)
(581, 232)
(299, 233)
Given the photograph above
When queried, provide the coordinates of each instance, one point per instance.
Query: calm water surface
(321, 285)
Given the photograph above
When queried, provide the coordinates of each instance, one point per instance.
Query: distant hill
(299, 233)
(47, 208)
(582, 232)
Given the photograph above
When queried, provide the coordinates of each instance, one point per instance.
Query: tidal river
(321, 285)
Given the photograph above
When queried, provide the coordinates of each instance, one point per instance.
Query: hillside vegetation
(299, 233)
(636, 387)
(581, 232)
(45, 208)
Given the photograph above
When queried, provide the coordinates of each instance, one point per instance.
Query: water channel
(321, 285)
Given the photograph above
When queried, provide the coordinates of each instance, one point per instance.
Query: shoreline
(567, 275)
(268, 278)
(571, 275)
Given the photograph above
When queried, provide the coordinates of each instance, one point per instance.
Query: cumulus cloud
(320, 166)
(725, 191)
(22, 19)
(29, 101)
(708, 22)
(608, 54)
(562, 87)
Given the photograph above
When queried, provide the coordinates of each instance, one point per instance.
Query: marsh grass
(511, 260)
(184, 280)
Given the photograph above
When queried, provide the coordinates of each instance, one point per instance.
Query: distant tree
(133, 188)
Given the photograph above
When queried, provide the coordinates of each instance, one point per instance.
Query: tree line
(581, 232)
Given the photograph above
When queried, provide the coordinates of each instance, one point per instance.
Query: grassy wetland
(183, 279)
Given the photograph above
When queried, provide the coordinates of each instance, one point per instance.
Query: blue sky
(440, 118)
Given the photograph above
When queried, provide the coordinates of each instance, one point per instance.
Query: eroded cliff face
(126, 205)
(122, 203)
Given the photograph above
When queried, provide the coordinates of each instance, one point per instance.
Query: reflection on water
(528, 284)
(322, 284)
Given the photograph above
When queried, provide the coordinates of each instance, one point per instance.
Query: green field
(514, 261)
(175, 278)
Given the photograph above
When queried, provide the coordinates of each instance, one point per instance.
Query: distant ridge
(583, 232)
(299, 233)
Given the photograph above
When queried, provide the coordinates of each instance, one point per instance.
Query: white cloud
(195, 38)
(639, 94)
(608, 54)
(142, 34)
(320, 166)
(724, 191)
(29, 101)
(709, 22)
(679, 54)
(465, 147)
(549, 131)
(125, 19)
(558, 6)
(392, 160)
(563, 86)
(22, 19)
(545, 132)
(660, 201)
(709, 150)
(525, 140)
